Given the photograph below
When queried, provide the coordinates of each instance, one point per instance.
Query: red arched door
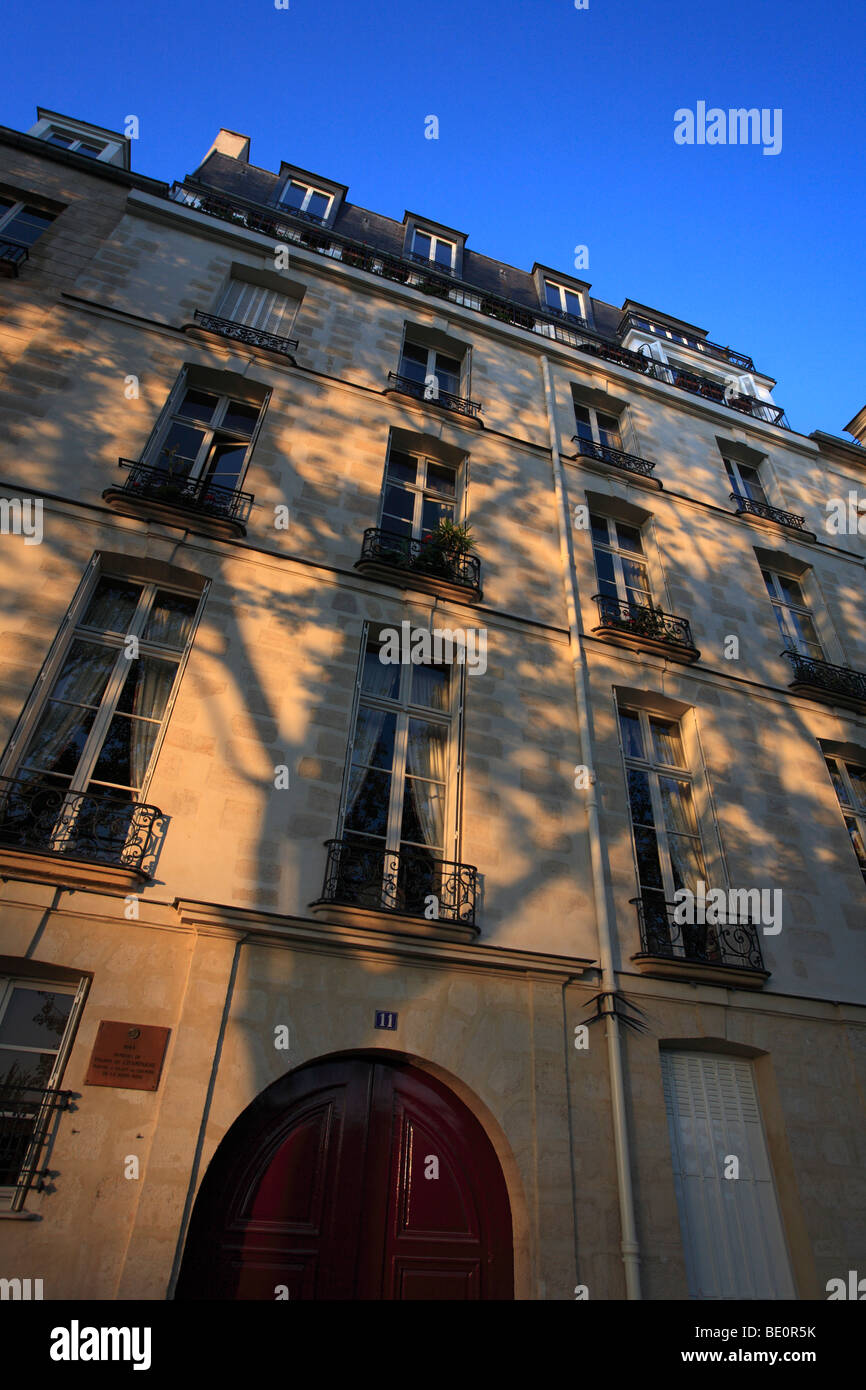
(358, 1178)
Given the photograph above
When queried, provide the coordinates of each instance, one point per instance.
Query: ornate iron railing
(647, 622)
(12, 256)
(726, 354)
(177, 490)
(26, 1114)
(424, 556)
(256, 337)
(410, 881)
(735, 944)
(746, 504)
(417, 389)
(632, 463)
(95, 826)
(822, 675)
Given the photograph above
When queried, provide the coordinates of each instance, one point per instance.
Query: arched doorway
(355, 1178)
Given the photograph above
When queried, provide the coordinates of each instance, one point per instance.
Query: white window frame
(77, 141)
(311, 190)
(431, 368)
(420, 490)
(850, 805)
(781, 604)
(612, 547)
(152, 455)
(13, 212)
(255, 304)
(12, 1195)
(435, 241)
(71, 628)
(563, 305)
(595, 427)
(739, 484)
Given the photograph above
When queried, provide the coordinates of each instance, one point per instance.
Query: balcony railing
(733, 944)
(424, 557)
(194, 494)
(95, 826)
(605, 453)
(11, 257)
(26, 1115)
(413, 882)
(417, 389)
(241, 333)
(824, 678)
(726, 354)
(763, 509)
(638, 621)
(692, 382)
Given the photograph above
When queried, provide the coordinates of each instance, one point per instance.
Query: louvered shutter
(732, 1229)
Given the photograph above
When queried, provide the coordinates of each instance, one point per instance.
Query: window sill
(699, 972)
(31, 866)
(827, 697)
(422, 583)
(610, 470)
(766, 523)
(189, 518)
(469, 422)
(343, 915)
(673, 650)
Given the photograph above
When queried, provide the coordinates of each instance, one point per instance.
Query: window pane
(441, 478)
(768, 580)
(179, 450)
(65, 141)
(434, 512)
(444, 251)
(632, 734)
(147, 687)
(856, 840)
(23, 1069)
(293, 195)
(573, 304)
(598, 526)
(28, 225)
(858, 784)
(35, 1017)
(92, 150)
(647, 853)
(402, 467)
(428, 750)
(686, 864)
(198, 405)
(368, 800)
(552, 295)
(421, 244)
(677, 804)
(374, 738)
(112, 605)
(379, 677)
(423, 819)
(126, 752)
(399, 502)
(836, 778)
(806, 636)
(413, 363)
(639, 797)
(170, 619)
(628, 538)
(226, 462)
(84, 674)
(667, 747)
(318, 204)
(431, 686)
(59, 738)
(791, 591)
(241, 416)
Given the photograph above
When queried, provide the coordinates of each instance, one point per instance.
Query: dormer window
(305, 198)
(562, 300)
(427, 247)
(71, 142)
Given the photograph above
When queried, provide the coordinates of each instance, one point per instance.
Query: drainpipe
(628, 1243)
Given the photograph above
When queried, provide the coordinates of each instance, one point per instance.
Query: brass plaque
(127, 1055)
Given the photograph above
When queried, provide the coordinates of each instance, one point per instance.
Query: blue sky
(555, 130)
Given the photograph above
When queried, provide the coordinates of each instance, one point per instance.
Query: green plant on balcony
(442, 550)
(170, 485)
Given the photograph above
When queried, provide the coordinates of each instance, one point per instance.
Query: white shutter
(257, 307)
(732, 1229)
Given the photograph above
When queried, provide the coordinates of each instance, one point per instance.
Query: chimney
(230, 143)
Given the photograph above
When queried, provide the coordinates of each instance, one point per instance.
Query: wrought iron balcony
(746, 504)
(605, 453)
(407, 387)
(26, 1115)
(98, 827)
(821, 678)
(423, 557)
(734, 944)
(12, 256)
(363, 874)
(726, 354)
(193, 494)
(240, 332)
(647, 624)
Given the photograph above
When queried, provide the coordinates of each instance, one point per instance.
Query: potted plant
(171, 487)
(443, 548)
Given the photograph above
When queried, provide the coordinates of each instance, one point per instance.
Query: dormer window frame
(435, 242)
(114, 147)
(312, 190)
(565, 291)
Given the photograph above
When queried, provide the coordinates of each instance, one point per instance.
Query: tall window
(427, 247)
(562, 299)
(667, 842)
(304, 197)
(419, 493)
(206, 436)
(619, 563)
(417, 363)
(258, 307)
(792, 615)
(396, 799)
(98, 728)
(35, 1019)
(596, 427)
(849, 782)
(745, 481)
(22, 224)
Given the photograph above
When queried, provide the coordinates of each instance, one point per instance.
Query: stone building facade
(422, 908)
